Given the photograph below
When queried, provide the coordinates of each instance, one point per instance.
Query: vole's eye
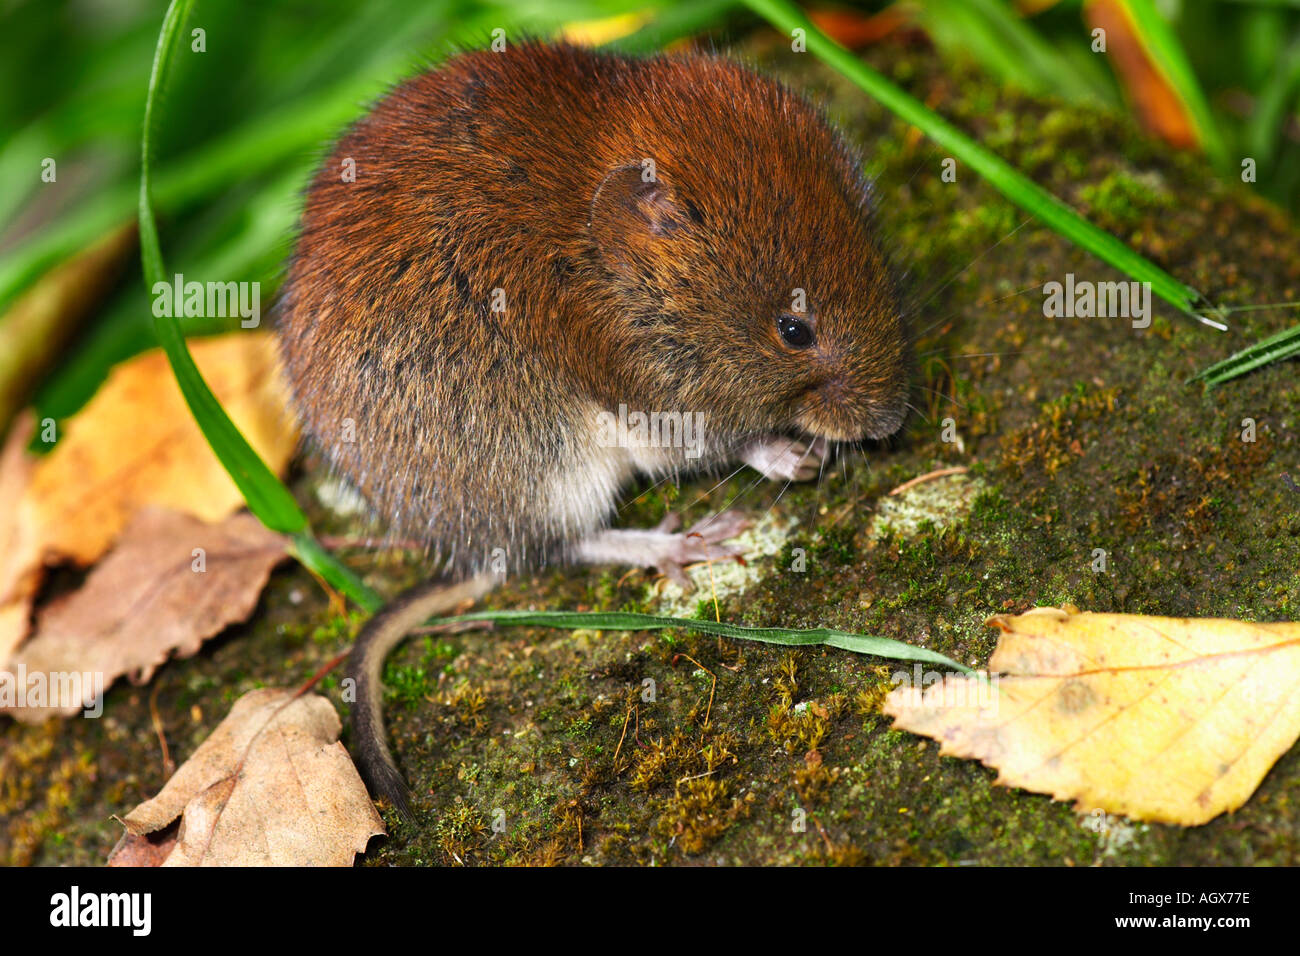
(795, 331)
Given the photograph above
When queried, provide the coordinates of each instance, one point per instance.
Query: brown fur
(487, 173)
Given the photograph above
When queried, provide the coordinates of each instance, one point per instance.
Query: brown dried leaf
(272, 786)
(135, 443)
(151, 849)
(1164, 719)
(148, 599)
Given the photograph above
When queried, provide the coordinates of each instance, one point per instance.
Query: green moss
(834, 545)
(406, 684)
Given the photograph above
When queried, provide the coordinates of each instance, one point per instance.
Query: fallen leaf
(272, 786)
(169, 583)
(19, 558)
(1164, 719)
(136, 443)
(151, 849)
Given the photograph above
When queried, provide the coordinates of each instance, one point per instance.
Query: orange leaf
(1156, 103)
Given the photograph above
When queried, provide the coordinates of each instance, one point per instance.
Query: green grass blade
(790, 637)
(313, 556)
(1275, 348)
(1004, 177)
(265, 495)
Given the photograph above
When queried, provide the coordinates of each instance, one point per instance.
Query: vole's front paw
(785, 459)
(666, 549)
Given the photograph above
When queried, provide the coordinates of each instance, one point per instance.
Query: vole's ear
(634, 207)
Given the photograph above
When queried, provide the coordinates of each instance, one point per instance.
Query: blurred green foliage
(1235, 64)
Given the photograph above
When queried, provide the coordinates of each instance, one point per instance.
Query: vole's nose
(841, 412)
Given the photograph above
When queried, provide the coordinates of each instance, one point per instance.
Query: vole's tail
(366, 667)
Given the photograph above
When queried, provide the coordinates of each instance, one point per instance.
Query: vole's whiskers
(776, 501)
(1002, 298)
(932, 391)
(743, 491)
(633, 499)
(704, 495)
(972, 355)
(962, 271)
(810, 442)
(924, 416)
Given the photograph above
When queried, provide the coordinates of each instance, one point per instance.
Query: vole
(515, 249)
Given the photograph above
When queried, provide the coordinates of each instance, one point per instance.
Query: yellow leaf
(136, 443)
(1163, 719)
(604, 30)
